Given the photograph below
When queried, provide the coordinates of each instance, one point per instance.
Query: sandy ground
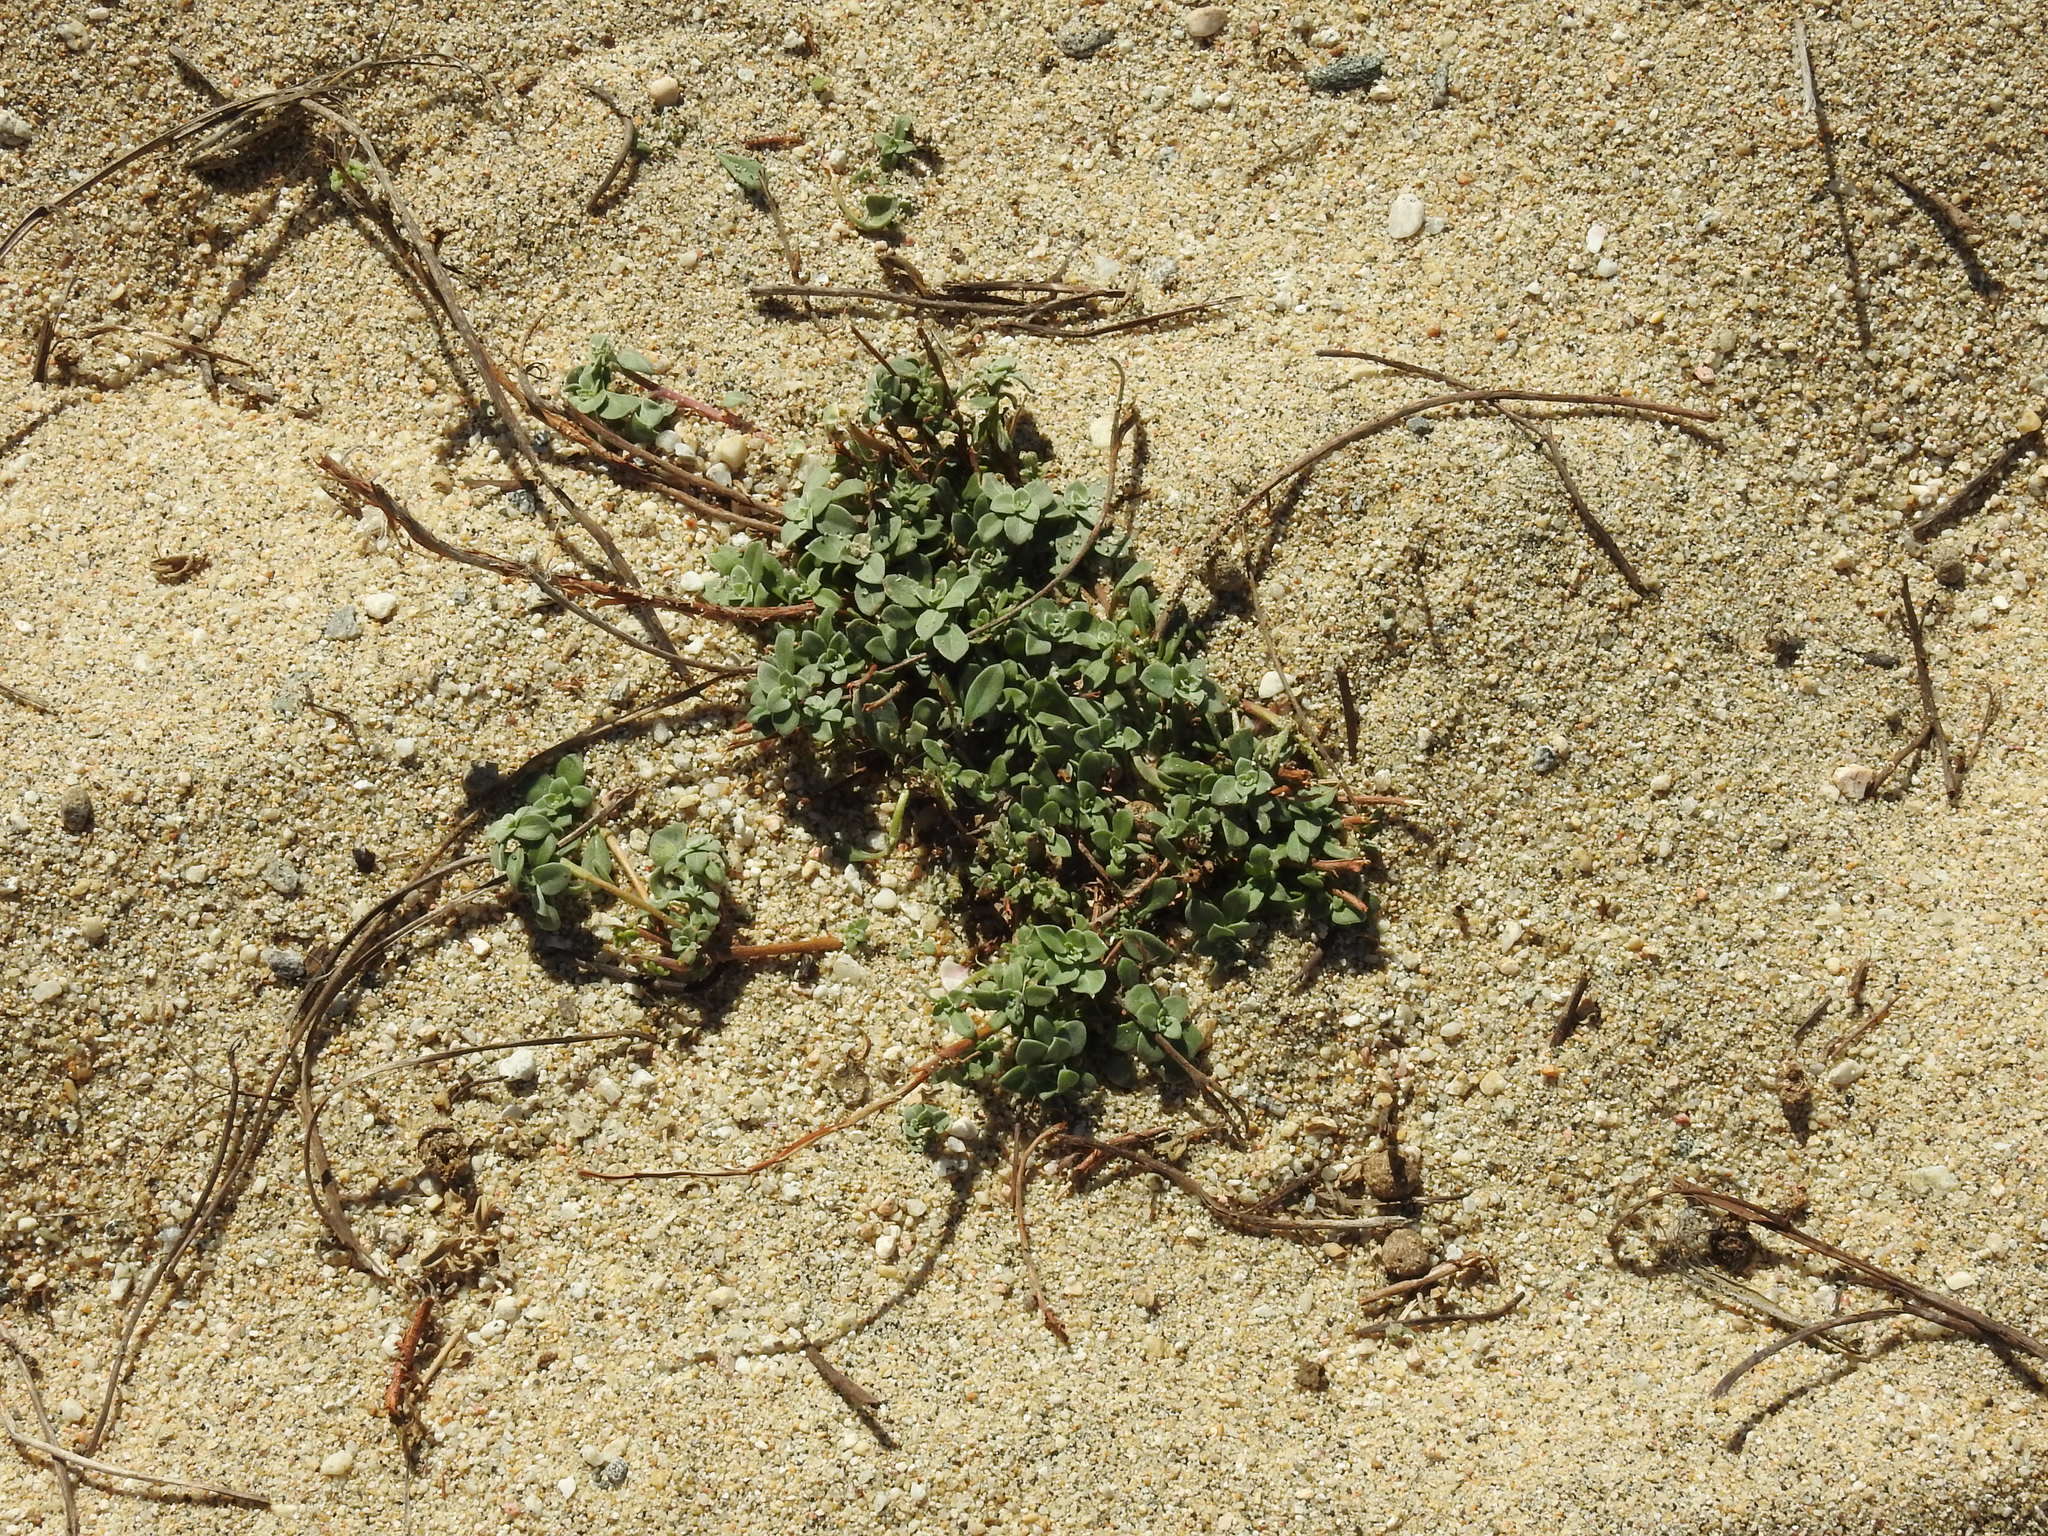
(1635, 792)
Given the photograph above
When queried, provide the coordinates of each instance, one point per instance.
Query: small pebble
(1492, 1084)
(1206, 21)
(343, 624)
(379, 605)
(1596, 237)
(406, 749)
(287, 965)
(731, 451)
(1311, 1375)
(2029, 422)
(1404, 218)
(1845, 1073)
(1357, 72)
(1543, 758)
(522, 1066)
(282, 876)
(1608, 267)
(1272, 685)
(1079, 39)
(1405, 1256)
(338, 1463)
(15, 130)
(1660, 783)
(721, 1298)
(93, 930)
(1853, 780)
(611, 1475)
(74, 811)
(664, 91)
(1934, 1179)
(46, 991)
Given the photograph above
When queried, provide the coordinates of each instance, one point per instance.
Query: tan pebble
(1405, 1256)
(1852, 780)
(664, 90)
(2029, 422)
(731, 450)
(1205, 22)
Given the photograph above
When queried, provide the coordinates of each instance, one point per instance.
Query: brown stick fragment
(1233, 1213)
(26, 699)
(1846, 1041)
(1818, 107)
(408, 1346)
(1973, 496)
(852, 1393)
(1929, 709)
(1950, 223)
(1020, 1178)
(1348, 703)
(1992, 704)
(1817, 1330)
(1814, 1015)
(1921, 1301)
(1569, 1015)
(67, 1490)
(1857, 979)
(1544, 439)
(1384, 1326)
(1913, 744)
(628, 138)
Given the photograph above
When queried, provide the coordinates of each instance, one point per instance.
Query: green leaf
(745, 171)
(984, 692)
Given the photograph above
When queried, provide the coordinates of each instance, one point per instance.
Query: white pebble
(1660, 784)
(1404, 218)
(664, 90)
(884, 901)
(15, 130)
(46, 991)
(378, 606)
(721, 1298)
(1852, 780)
(522, 1066)
(1596, 237)
(1608, 267)
(1844, 1074)
(731, 450)
(1206, 21)
(1451, 1031)
(406, 749)
(1272, 685)
(338, 1463)
(506, 1309)
(1934, 1179)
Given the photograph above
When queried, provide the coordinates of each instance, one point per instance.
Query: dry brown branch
(1950, 223)
(628, 137)
(1020, 1178)
(1544, 439)
(67, 1490)
(1816, 1331)
(1979, 490)
(1809, 85)
(1920, 1301)
(1930, 710)
(1236, 1214)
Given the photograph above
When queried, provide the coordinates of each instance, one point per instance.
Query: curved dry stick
(86, 1463)
(67, 1490)
(1229, 1212)
(212, 117)
(1020, 1175)
(1800, 1335)
(1393, 418)
(943, 1057)
(1545, 439)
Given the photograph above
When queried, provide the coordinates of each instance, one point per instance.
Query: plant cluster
(978, 628)
(548, 862)
(632, 415)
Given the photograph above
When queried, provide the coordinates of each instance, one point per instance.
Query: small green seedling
(632, 415)
(896, 143)
(746, 172)
(924, 1124)
(878, 213)
(355, 171)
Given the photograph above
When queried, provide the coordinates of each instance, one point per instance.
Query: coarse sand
(1662, 796)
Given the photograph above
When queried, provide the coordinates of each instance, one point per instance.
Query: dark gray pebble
(1082, 40)
(343, 624)
(287, 965)
(1355, 72)
(75, 810)
(1543, 757)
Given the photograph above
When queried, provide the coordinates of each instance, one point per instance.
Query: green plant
(924, 1124)
(355, 171)
(896, 143)
(588, 387)
(979, 628)
(878, 213)
(746, 172)
(546, 867)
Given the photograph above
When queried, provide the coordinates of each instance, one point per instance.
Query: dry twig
(1815, 104)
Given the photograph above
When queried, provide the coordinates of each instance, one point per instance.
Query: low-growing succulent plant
(588, 388)
(978, 629)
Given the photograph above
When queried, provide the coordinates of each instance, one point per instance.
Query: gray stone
(75, 810)
(15, 130)
(1080, 39)
(1355, 72)
(611, 1475)
(282, 876)
(1543, 758)
(287, 965)
(343, 624)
